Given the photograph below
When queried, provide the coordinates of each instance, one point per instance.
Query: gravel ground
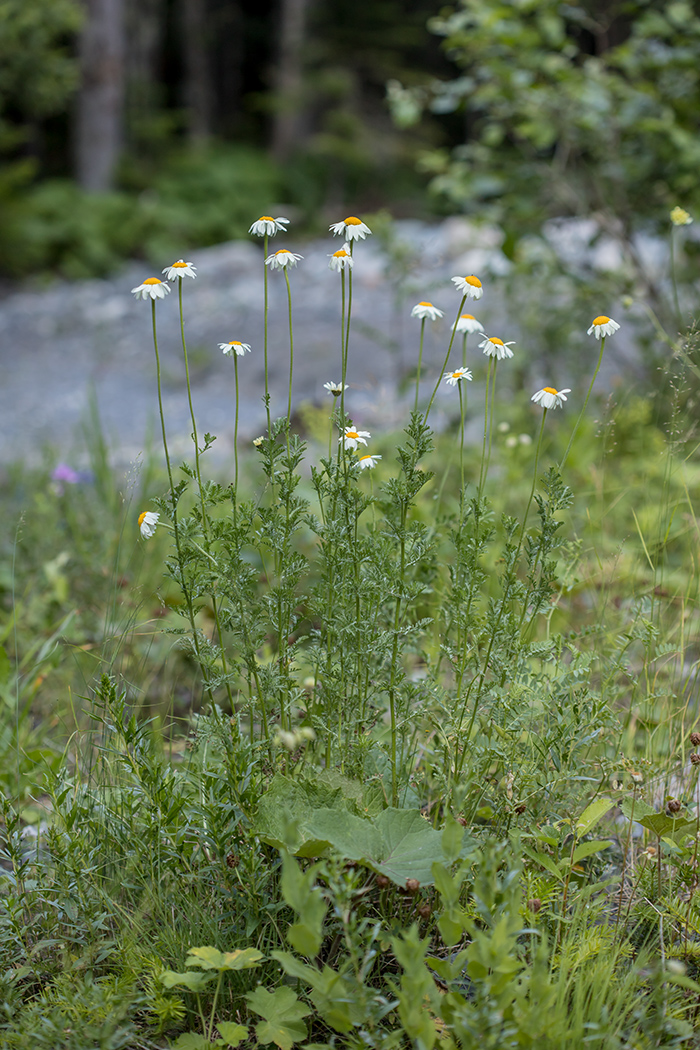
(57, 345)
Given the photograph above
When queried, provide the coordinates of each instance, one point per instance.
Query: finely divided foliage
(397, 758)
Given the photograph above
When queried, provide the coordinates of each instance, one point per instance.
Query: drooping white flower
(152, 288)
(267, 225)
(494, 347)
(424, 309)
(147, 523)
(234, 347)
(548, 397)
(368, 462)
(352, 228)
(335, 389)
(341, 260)
(180, 269)
(469, 286)
(468, 323)
(603, 326)
(352, 438)
(282, 259)
(452, 378)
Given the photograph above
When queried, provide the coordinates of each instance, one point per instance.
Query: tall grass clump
(437, 782)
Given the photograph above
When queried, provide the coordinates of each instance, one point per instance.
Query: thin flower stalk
(265, 314)
(291, 353)
(173, 503)
(420, 360)
(200, 487)
(447, 358)
(479, 680)
(582, 413)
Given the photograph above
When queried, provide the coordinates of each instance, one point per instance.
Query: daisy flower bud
(147, 523)
(234, 347)
(352, 438)
(494, 347)
(368, 461)
(470, 286)
(548, 397)
(281, 259)
(152, 288)
(469, 324)
(340, 260)
(352, 227)
(452, 378)
(680, 217)
(603, 326)
(423, 310)
(266, 225)
(180, 269)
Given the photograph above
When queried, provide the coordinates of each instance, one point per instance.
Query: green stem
(173, 501)
(291, 354)
(461, 446)
(200, 487)
(265, 310)
(235, 432)
(447, 358)
(420, 359)
(482, 475)
(585, 406)
(674, 284)
(343, 350)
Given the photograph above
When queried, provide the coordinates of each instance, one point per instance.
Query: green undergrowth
(327, 753)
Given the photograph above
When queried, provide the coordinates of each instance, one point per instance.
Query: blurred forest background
(127, 128)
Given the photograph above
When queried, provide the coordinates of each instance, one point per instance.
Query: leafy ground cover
(380, 740)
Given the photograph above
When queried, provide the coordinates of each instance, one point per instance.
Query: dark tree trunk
(145, 94)
(289, 79)
(101, 96)
(197, 66)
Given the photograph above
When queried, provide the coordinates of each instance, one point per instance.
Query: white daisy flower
(281, 259)
(352, 228)
(234, 347)
(352, 438)
(548, 397)
(152, 288)
(368, 461)
(470, 286)
(494, 347)
(453, 378)
(267, 225)
(258, 442)
(603, 326)
(340, 260)
(468, 323)
(424, 310)
(180, 269)
(335, 389)
(147, 523)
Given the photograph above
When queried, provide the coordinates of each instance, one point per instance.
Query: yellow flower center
(340, 254)
(352, 220)
(152, 280)
(498, 342)
(601, 320)
(550, 390)
(468, 317)
(364, 457)
(473, 281)
(456, 375)
(235, 342)
(351, 434)
(427, 304)
(266, 218)
(180, 263)
(282, 251)
(142, 517)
